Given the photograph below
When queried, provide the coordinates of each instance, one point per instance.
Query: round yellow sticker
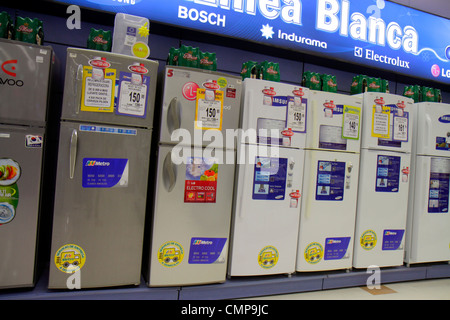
(368, 240)
(70, 258)
(140, 50)
(268, 257)
(313, 253)
(170, 254)
(222, 82)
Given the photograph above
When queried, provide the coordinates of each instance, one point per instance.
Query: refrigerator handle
(247, 169)
(427, 129)
(173, 115)
(169, 173)
(73, 152)
(78, 77)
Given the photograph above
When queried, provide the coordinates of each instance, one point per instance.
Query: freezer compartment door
(327, 222)
(199, 100)
(267, 211)
(430, 237)
(100, 204)
(191, 224)
(20, 182)
(277, 111)
(110, 88)
(387, 122)
(334, 122)
(24, 82)
(381, 208)
(433, 129)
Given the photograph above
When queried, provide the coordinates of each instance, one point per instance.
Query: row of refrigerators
(240, 178)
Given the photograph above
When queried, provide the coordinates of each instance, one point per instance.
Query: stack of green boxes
(188, 56)
(422, 94)
(99, 40)
(25, 29)
(265, 70)
(320, 82)
(362, 83)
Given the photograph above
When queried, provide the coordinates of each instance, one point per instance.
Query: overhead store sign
(375, 33)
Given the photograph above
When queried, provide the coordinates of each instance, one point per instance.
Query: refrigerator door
(387, 122)
(24, 82)
(100, 204)
(267, 212)
(104, 87)
(433, 129)
(381, 208)
(197, 100)
(334, 121)
(429, 217)
(327, 222)
(20, 183)
(191, 219)
(277, 112)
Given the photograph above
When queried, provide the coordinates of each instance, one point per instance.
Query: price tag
(401, 128)
(381, 122)
(133, 90)
(209, 108)
(351, 122)
(296, 114)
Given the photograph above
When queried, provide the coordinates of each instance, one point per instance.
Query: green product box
(413, 92)
(250, 69)
(329, 83)
(29, 30)
(270, 71)
(208, 61)
(172, 59)
(99, 40)
(6, 26)
(312, 80)
(189, 57)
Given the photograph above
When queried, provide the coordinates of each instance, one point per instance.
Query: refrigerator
(269, 179)
(194, 175)
(330, 184)
(26, 74)
(428, 222)
(103, 166)
(384, 179)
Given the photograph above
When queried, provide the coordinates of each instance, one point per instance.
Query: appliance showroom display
(24, 108)
(428, 235)
(330, 185)
(269, 179)
(102, 174)
(194, 184)
(383, 180)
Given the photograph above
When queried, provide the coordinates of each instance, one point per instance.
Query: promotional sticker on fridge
(428, 237)
(25, 179)
(384, 181)
(268, 194)
(102, 174)
(330, 186)
(194, 176)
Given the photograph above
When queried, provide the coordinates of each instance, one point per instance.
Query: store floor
(436, 289)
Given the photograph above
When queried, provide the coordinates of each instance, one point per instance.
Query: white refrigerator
(384, 180)
(428, 223)
(330, 182)
(194, 178)
(268, 179)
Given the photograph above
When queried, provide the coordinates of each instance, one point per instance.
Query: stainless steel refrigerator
(194, 178)
(25, 81)
(102, 174)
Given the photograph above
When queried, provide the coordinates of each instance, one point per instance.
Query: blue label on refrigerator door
(330, 181)
(105, 173)
(392, 239)
(269, 181)
(336, 248)
(438, 196)
(207, 250)
(388, 173)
